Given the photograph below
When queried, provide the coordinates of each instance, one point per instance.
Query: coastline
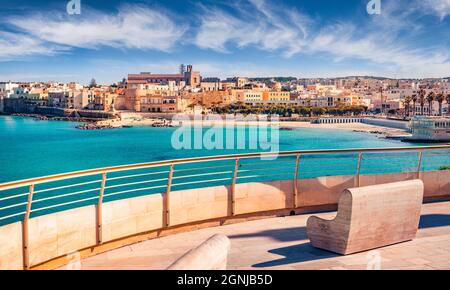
(89, 124)
(289, 125)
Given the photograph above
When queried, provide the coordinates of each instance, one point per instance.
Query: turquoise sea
(31, 148)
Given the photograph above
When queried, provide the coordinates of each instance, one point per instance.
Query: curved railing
(30, 198)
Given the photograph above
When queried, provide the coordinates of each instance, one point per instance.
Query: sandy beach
(358, 127)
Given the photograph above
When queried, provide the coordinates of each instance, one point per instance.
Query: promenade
(281, 243)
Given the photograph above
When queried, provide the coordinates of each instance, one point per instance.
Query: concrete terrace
(282, 243)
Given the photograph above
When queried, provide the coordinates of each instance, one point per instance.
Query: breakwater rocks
(53, 118)
(162, 125)
(376, 132)
(94, 126)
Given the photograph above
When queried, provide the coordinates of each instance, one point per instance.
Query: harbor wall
(11, 257)
(403, 125)
(396, 124)
(65, 233)
(20, 106)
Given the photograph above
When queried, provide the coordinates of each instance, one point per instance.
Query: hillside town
(188, 92)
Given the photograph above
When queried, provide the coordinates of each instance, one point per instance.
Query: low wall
(63, 233)
(49, 111)
(60, 112)
(11, 247)
(122, 218)
(387, 123)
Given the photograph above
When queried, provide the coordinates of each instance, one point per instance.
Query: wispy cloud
(268, 28)
(340, 43)
(441, 8)
(134, 26)
(387, 40)
(397, 41)
(13, 46)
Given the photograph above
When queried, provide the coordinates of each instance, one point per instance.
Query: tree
(357, 110)
(318, 111)
(93, 83)
(440, 99)
(430, 100)
(414, 100)
(407, 102)
(447, 99)
(392, 112)
(422, 101)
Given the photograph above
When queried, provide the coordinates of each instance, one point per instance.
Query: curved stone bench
(210, 255)
(370, 217)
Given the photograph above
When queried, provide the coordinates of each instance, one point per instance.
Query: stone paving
(282, 243)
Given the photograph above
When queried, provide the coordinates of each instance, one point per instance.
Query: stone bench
(370, 217)
(210, 255)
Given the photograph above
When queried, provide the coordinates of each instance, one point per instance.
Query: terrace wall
(404, 125)
(64, 233)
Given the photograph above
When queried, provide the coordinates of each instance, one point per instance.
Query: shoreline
(287, 125)
(90, 124)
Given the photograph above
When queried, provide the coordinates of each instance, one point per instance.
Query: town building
(6, 89)
(70, 99)
(276, 96)
(189, 77)
(430, 129)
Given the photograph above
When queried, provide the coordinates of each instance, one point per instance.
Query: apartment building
(238, 82)
(162, 104)
(103, 101)
(70, 99)
(211, 84)
(7, 88)
(276, 96)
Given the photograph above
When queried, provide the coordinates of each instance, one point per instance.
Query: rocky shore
(104, 124)
(54, 118)
(94, 126)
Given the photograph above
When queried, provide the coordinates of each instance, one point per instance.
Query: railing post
(233, 187)
(297, 163)
(99, 210)
(25, 229)
(419, 165)
(358, 173)
(167, 197)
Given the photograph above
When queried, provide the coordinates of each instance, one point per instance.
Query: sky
(40, 41)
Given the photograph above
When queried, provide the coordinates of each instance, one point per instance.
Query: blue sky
(301, 38)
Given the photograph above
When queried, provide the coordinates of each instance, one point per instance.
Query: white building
(6, 90)
(431, 129)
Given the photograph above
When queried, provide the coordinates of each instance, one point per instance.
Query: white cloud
(441, 8)
(386, 41)
(388, 58)
(267, 28)
(132, 27)
(13, 46)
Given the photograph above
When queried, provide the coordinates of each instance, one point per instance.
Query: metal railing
(25, 199)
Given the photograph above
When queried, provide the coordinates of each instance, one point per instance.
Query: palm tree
(422, 101)
(447, 99)
(414, 100)
(430, 99)
(440, 99)
(407, 102)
